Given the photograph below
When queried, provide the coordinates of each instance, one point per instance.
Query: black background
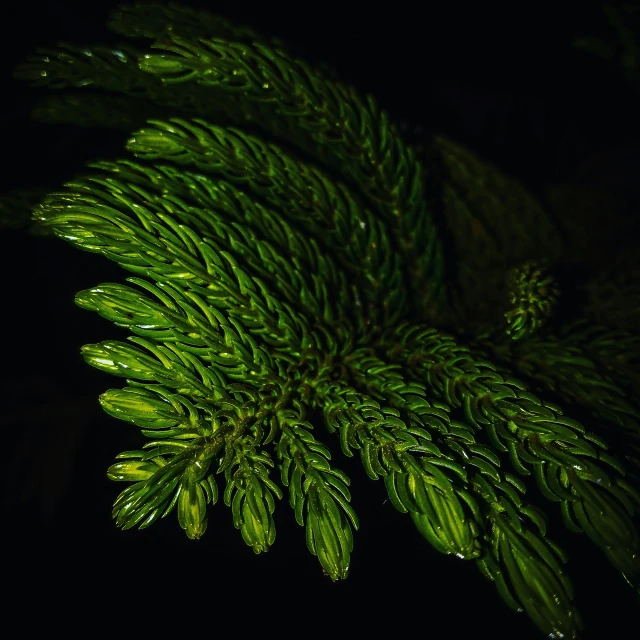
(503, 81)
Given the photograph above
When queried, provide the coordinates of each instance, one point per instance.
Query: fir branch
(425, 484)
(163, 364)
(164, 249)
(250, 494)
(326, 282)
(161, 484)
(155, 21)
(493, 223)
(113, 69)
(159, 413)
(525, 567)
(229, 225)
(182, 319)
(617, 352)
(346, 131)
(537, 437)
(533, 294)
(268, 290)
(70, 66)
(567, 371)
(302, 191)
(318, 493)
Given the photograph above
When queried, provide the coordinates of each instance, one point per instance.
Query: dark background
(507, 83)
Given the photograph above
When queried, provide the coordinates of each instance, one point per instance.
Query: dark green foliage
(288, 271)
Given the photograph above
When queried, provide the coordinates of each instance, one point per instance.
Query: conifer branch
(285, 245)
(524, 565)
(306, 195)
(348, 132)
(533, 294)
(155, 21)
(254, 233)
(537, 438)
(318, 494)
(566, 370)
(250, 494)
(616, 351)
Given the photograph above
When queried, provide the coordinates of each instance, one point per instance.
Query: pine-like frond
(287, 251)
